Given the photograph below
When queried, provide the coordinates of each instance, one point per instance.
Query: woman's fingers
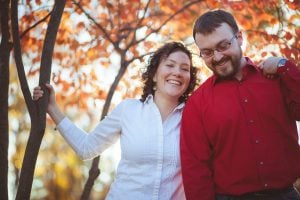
(37, 93)
(49, 86)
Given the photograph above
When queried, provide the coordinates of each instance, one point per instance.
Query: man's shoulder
(202, 93)
(205, 86)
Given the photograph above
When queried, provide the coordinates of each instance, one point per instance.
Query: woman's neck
(165, 106)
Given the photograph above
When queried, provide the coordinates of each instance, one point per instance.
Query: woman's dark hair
(155, 59)
(209, 21)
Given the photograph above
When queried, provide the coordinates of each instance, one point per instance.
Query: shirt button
(266, 185)
(251, 121)
(256, 141)
(245, 100)
(261, 162)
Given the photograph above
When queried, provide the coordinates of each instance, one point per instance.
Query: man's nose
(217, 55)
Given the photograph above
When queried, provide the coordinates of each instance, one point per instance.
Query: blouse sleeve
(90, 145)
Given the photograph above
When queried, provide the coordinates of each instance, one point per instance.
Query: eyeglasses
(222, 46)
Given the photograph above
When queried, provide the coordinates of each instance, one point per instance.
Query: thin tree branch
(35, 25)
(18, 56)
(107, 36)
(135, 42)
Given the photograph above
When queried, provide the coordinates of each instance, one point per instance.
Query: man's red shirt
(241, 136)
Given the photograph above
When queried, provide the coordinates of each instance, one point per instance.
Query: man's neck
(239, 74)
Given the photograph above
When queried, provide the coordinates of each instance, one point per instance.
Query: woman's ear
(154, 78)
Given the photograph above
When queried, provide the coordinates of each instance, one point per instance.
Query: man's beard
(235, 66)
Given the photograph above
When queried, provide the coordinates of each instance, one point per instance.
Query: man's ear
(240, 38)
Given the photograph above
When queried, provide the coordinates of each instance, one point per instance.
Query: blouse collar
(150, 99)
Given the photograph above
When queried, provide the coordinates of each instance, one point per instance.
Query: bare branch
(98, 25)
(139, 57)
(18, 56)
(165, 22)
(36, 24)
(139, 24)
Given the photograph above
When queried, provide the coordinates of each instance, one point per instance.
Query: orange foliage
(120, 21)
(121, 26)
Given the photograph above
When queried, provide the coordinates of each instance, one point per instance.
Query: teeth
(174, 82)
(222, 62)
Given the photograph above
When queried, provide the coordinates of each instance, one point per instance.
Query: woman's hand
(52, 108)
(269, 66)
(38, 93)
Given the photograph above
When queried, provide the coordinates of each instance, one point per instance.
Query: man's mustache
(224, 59)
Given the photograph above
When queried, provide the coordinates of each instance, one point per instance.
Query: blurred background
(100, 51)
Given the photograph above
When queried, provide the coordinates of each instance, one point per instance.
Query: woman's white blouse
(149, 168)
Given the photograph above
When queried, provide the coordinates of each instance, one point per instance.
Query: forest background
(101, 48)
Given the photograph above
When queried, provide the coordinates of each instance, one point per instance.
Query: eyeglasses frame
(229, 43)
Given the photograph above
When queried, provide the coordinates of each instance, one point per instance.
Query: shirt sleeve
(290, 79)
(195, 155)
(90, 145)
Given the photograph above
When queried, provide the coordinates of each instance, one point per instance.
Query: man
(239, 136)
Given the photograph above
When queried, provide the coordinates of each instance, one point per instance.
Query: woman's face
(173, 76)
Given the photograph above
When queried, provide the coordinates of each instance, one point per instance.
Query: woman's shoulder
(126, 106)
(130, 102)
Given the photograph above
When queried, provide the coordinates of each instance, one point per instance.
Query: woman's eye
(170, 65)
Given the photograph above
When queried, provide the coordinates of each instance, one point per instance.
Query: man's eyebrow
(224, 40)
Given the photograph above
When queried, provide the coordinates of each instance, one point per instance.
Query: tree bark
(5, 48)
(37, 110)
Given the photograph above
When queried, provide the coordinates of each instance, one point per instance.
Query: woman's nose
(176, 71)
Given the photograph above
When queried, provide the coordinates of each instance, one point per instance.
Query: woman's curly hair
(155, 59)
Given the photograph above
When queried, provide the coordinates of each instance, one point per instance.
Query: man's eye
(223, 46)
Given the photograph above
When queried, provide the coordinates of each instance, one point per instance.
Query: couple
(238, 132)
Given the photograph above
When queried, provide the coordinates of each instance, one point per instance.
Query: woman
(148, 129)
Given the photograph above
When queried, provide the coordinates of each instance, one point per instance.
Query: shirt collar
(250, 67)
(150, 99)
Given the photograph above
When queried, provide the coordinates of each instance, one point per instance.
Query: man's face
(221, 51)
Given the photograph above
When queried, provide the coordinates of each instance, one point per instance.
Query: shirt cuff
(285, 69)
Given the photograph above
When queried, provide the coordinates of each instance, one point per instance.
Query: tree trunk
(5, 48)
(94, 170)
(37, 110)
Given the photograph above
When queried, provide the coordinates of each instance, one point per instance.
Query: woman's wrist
(55, 113)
